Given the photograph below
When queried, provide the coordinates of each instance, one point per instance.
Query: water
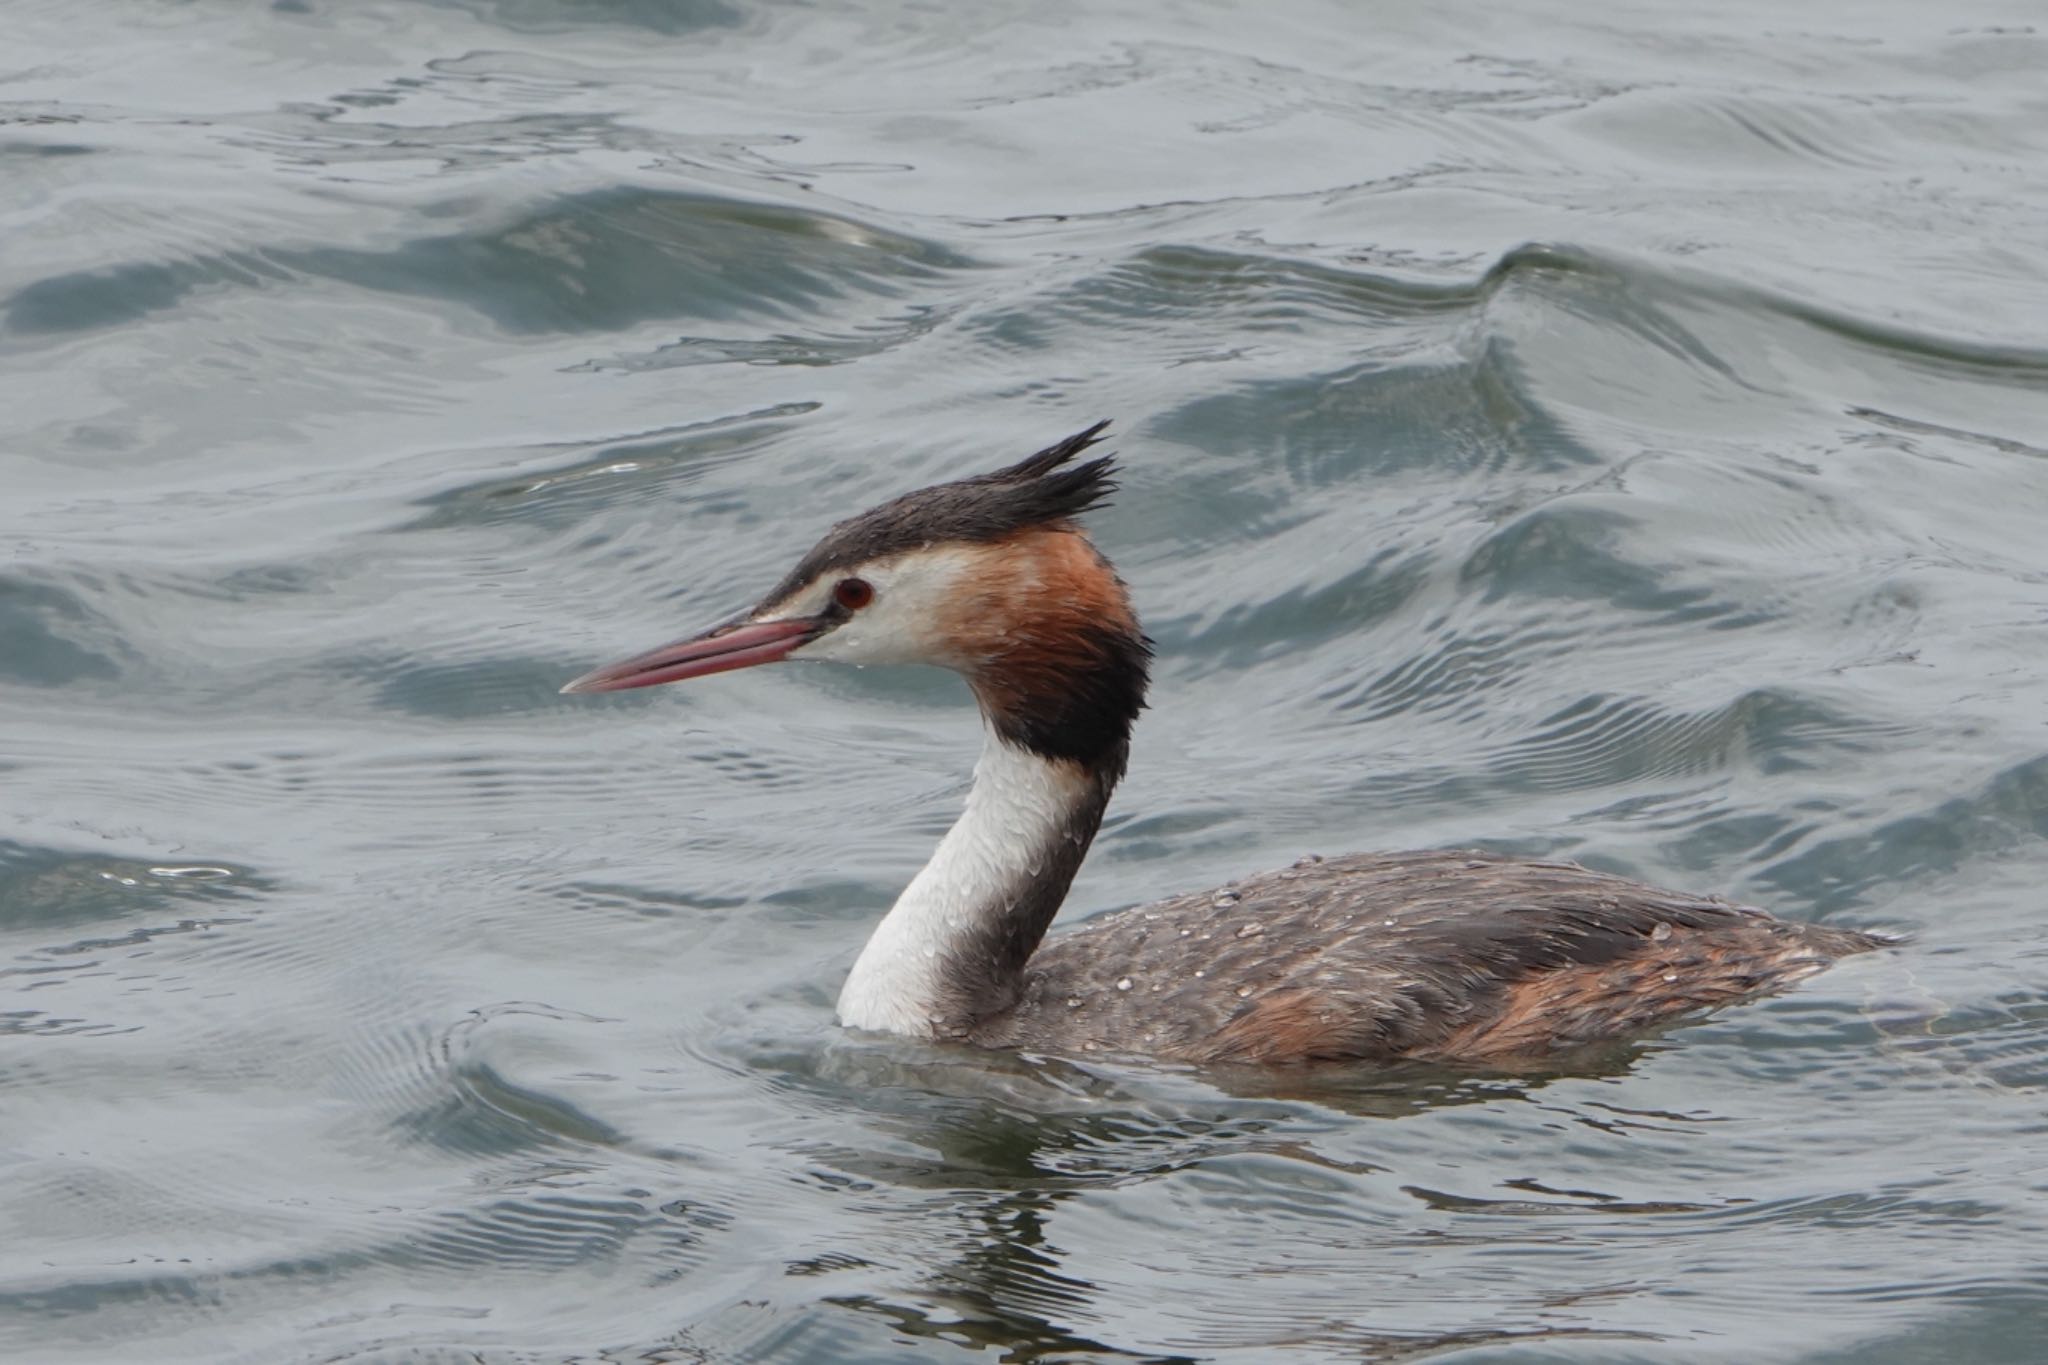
(1616, 434)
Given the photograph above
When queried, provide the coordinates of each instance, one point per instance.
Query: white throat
(1020, 806)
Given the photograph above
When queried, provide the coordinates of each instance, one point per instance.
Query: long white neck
(952, 949)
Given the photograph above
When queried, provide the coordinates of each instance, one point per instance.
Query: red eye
(853, 593)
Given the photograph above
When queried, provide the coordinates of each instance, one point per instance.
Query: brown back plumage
(1463, 957)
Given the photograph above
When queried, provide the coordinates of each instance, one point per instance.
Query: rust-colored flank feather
(1468, 958)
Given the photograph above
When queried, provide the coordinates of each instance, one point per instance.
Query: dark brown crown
(984, 508)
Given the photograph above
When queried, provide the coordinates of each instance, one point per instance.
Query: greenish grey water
(1614, 433)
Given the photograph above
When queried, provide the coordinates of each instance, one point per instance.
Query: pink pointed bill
(719, 650)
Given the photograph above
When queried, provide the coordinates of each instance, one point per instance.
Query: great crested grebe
(1461, 957)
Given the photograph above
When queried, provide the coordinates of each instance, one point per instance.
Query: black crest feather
(1049, 459)
(1042, 488)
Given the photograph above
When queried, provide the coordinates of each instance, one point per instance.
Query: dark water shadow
(600, 261)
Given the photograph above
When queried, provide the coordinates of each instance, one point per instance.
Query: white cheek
(867, 641)
(901, 624)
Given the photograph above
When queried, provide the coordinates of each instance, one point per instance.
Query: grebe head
(989, 576)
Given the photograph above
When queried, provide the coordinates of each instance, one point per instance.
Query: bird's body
(1460, 957)
(1446, 956)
